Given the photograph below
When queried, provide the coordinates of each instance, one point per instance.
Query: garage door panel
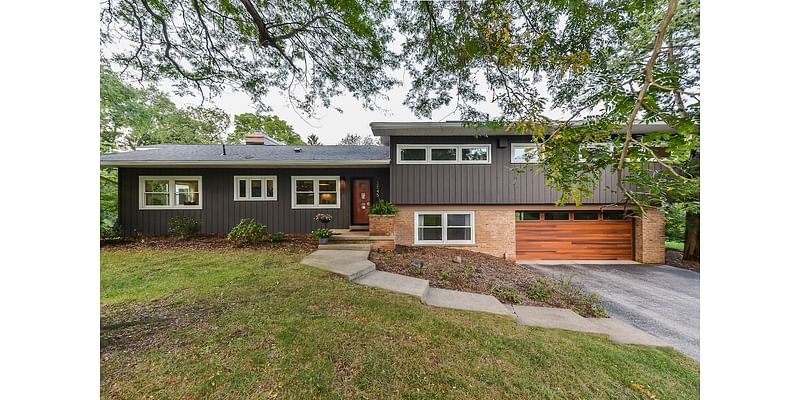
(588, 240)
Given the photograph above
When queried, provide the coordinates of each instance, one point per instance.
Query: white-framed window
(315, 192)
(170, 192)
(524, 153)
(255, 188)
(593, 150)
(444, 227)
(444, 154)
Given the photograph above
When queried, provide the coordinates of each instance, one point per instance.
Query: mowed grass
(674, 245)
(262, 326)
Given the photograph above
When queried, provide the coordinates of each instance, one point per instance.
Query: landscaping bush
(383, 207)
(184, 227)
(248, 231)
(110, 229)
(507, 295)
(540, 291)
(277, 237)
(675, 224)
(561, 292)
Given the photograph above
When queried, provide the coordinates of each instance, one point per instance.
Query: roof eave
(245, 163)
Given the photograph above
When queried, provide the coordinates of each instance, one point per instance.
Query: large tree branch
(264, 37)
(648, 80)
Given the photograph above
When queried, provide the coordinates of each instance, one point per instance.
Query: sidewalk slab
(557, 318)
(464, 301)
(395, 282)
(352, 264)
(621, 332)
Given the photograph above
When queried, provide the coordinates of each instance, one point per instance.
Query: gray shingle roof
(249, 154)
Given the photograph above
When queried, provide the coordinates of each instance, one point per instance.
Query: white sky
(329, 124)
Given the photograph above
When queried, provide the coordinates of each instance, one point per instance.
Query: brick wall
(649, 237)
(381, 225)
(494, 228)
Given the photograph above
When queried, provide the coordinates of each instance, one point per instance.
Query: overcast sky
(329, 124)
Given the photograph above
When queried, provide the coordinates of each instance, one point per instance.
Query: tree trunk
(691, 239)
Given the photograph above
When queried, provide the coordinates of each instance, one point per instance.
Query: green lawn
(674, 245)
(253, 324)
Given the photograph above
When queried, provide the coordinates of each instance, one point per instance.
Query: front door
(362, 190)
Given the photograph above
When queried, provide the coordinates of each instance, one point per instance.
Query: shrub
(383, 207)
(110, 229)
(184, 226)
(540, 290)
(507, 295)
(561, 292)
(277, 237)
(248, 231)
(322, 232)
(675, 224)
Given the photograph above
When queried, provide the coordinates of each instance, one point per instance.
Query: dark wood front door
(362, 197)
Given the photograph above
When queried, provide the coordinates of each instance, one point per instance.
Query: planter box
(381, 225)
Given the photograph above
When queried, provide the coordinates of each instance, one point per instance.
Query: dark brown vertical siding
(220, 213)
(493, 183)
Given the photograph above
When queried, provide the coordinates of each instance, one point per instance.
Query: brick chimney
(256, 137)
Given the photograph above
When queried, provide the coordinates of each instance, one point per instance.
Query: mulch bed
(675, 259)
(301, 244)
(476, 273)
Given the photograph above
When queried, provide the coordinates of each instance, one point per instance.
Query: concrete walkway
(353, 263)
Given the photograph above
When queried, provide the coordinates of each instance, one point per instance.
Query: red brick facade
(381, 225)
(649, 237)
(494, 228)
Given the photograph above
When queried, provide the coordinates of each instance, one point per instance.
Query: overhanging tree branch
(648, 80)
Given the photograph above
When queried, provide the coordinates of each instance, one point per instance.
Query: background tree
(355, 139)
(313, 140)
(327, 47)
(610, 64)
(271, 125)
(131, 117)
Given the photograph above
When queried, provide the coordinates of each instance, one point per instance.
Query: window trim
(517, 145)
(316, 180)
(171, 192)
(444, 240)
(248, 178)
(458, 147)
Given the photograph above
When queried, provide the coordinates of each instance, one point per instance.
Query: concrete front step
(352, 264)
(395, 283)
(345, 246)
(464, 301)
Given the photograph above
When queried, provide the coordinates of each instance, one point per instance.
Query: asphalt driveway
(661, 300)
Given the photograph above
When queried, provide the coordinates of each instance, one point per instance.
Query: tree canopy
(609, 64)
(131, 117)
(326, 48)
(271, 125)
(313, 140)
(355, 139)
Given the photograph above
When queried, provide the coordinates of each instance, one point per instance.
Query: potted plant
(381, 218)
(323, 234)
(324, 218)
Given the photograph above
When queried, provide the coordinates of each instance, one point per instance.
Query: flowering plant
(324, 218)
(322, 232)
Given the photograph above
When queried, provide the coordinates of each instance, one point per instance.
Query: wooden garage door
(572, 239)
